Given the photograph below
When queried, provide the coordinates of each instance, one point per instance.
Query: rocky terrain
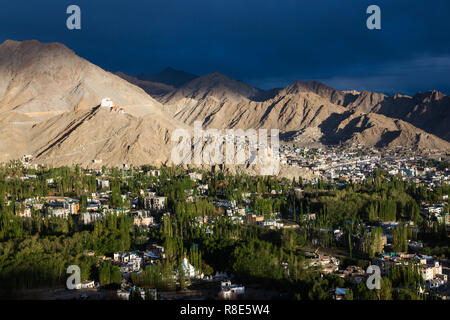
(49, 100)
(313, 112)
(50, 97)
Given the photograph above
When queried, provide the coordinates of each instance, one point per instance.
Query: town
(167, 233)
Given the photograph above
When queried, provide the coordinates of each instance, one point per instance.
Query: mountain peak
(216, 76)
(29, 51)
(45, 79)
(430, 95)
(311, 85)
(218, 85)
(169, 69)
(9, 42)
(33, 44)
(168, 76)
(341, 98)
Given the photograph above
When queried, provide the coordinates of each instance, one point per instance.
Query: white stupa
(189, 270)
(107, 103)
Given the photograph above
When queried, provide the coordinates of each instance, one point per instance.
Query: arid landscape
(50, 98)
(217, 159)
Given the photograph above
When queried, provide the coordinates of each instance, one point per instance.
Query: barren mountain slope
(100, 134)
(428, 111)
(48, 99)
(14, 142)
(341, 98)
(310, 111)
(220, 102)
(45, 79)
(380, 131)
(214, 85)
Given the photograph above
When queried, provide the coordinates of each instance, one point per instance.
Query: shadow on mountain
(264, 95)
(329, 128)
(387, 138)
(423, 110)
(397, 107)
(169, 76)
(349, 99)
(269, 109)
(288, 135)
(59, 140)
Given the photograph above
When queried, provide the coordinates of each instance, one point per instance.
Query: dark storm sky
(265, 43)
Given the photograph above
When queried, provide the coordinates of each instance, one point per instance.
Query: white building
(195, 176)
(155, 203)
(123, 294)
(143, 219)
(59, 212)
(91, 217)
(107, 103)
(229, 290)
(431, 271)
(26, 212)
(189, 270)
(102, 184)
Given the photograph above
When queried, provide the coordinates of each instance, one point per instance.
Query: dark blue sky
(265, 43)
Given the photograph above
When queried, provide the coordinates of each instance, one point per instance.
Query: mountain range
(168, 76)
(50, 108)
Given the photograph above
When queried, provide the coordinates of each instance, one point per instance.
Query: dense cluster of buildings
(356, 164)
